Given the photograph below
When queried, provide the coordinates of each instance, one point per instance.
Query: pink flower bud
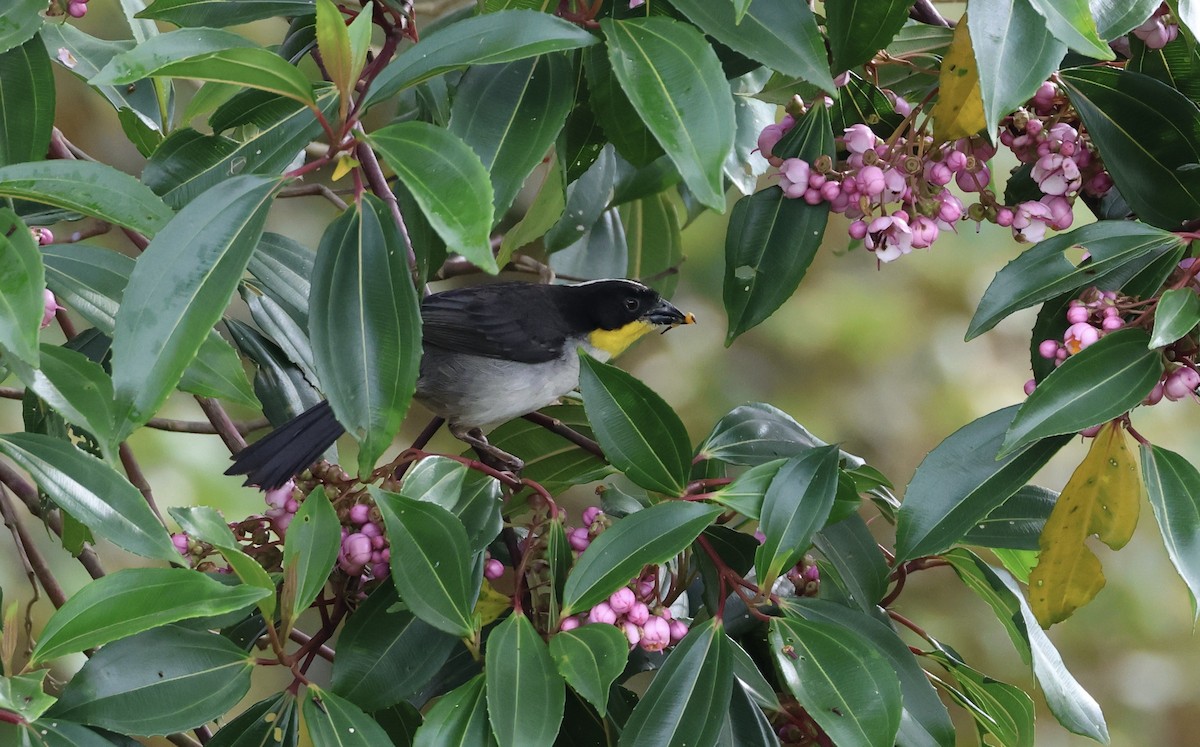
(1078, 313)
(180, 540)
(859, 138)
(1155, 396)
(569, 623)
(622, 600)
(602, 613)
(858, 230)
(360, 513)
(50, 305)
(1180, 383)
(793, 177)
(590, 514)
(1030, 386)
(679, 629)
(638, 614)
(633, 633)
(357, 550)
(579, 539)
(656, 634)
(870, 181)
(924, 232)
(492, 569)
(1048, 348)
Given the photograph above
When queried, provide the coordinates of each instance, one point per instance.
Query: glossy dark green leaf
(20, 22)
(745, 493)
(1001, 710)
(430, 561)
(510, 115)
(223, 12)
(25, 697)
(586, 200)
(149, 683)
(475, 499)
(384, 656)
(652, 535)
(273, 722)
(26, 103)
(599, 253)
(1015, 53)
(640, 434)
(694, 685)
(364, 308)
(1015, 524)
(525, 695)
(284, 268)
(448, 181)
(1149, 135)
(197, 260)
(746, 725)
(756, 433)
(782, 36)
(282, 329)
(857, 30)
(281, 385)
(674, 81)
(590, 658)
(401, 722)
(189, 162)
(90, 188)
(960, 482)
(203, 523)
(855, 556)
(751, 679)
(1072, 23)
(92, 492)
(653, 241)
(840, 677)
(862, 101)
(1068, 701)
(549, 458)
(612, 110)
(1174, 488)
(458, 718)
(76, 388)
(164, 49)
(309, 552)
(1096, 384)
(332, 721)
(493, 38)
(794, 507)
(1177, 313)
(1117, 17)
(21, 284)
(83, 56)
(1044, 271)
(924, 719)
(1177, 64)
(132, 600)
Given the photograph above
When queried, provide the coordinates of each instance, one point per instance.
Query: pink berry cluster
(594, 522)
(630, 609)
(805, 576)
(1159, 30)
(77, 8)
(364, 549)
(283, 507)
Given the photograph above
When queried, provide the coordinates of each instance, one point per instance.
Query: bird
(490, 353)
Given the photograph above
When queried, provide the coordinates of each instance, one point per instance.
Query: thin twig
(35, 564)
(554, 425)
(199, 426)
(375, 178)
(134, 472)
(221, 422)
(315, 190)
(303, 639)
(29, 496)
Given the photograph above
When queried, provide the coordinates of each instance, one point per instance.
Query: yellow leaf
(491, 604)
(959, 108)
(1102, 498)
(342, 167)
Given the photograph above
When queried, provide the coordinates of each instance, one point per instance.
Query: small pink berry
(180, 540)
(870, 181)
(1180, 383)
(1092, 431)
(1111, 323)
(1048, 349)
(656, 634)
(360, 513)
(859, 138)
(590, 515)
(1030, 386)
(602, 613)
(858, 230)
(493, 569)
(622, 600)
(49, 306)
(579, 539)
(638, 614)
(1078, 313)
(76, 9)
(569, 623)
(1155, 396)
(633, 633)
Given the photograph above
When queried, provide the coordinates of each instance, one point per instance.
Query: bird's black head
(617, 312)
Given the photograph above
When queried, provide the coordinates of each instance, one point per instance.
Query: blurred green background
(870, 357)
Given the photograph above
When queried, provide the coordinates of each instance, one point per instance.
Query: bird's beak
(664, 313)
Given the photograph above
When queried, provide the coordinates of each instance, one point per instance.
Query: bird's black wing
(510, 321)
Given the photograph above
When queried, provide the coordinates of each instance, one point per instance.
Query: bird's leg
(488, 454)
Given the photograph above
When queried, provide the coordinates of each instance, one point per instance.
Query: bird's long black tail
(277, 457)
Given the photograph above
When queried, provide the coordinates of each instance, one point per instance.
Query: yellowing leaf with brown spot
(491, 604)
(1102, 498)
(959, 108)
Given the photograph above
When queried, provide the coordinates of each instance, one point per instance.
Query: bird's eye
(631, 304)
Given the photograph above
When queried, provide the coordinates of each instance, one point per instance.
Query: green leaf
(1174, 488)
(652, 535)
(840, 678)
(207, 525)
(1177, 64)
(76, 388)
(590, 658)
(639, 433)
(197, 261)
(924, 719)
(93, 189)
(331, 720)
(21, 284)
(458, 718)
(1149, 135)
(857, 30)
(83, 56)
(385, 657)
(612, 110)
(489, 39)
(475, 499)
(1177, 313)
(757, 433)
(1072, 23)
(1044, 271)
(510, 115)
(794, 507)
(272, 721)
(782, 36)
(682, 704)
(549, 459)
(1068, 701)
(282, 328)
(770, 243)
(1015, 53)
(544, 212)
(999, 709)
(1015, 524)
(1098, 383)
(430, 561)
(364, 309)
(26, 103)
(144, 58)
(333, 42)
(24, 696)
(92, 492)
(309, 552)
(132, 600)
(283, 266)
(162, 681)
(653, 241)
(281, 384)
(223, 12)
(1116, 17)
(961, 481)
(448, 181)
(852, 550)
(674, 81)
(525, 695)
(745, 493)
(21, 22)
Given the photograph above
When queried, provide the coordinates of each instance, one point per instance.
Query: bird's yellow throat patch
(615, 341)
